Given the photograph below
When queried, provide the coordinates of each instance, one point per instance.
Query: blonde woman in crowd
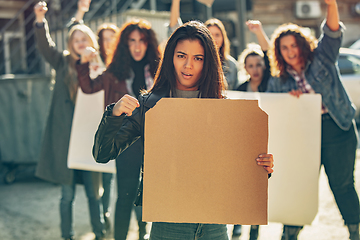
(52, 164)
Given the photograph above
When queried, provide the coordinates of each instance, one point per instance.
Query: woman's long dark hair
(211, 82)
(120, 58)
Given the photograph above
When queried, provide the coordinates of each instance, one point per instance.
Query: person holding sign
(52, 165)
(301, 65)
(131, 64)
(105, 34)
(255, 62)
(190, 68)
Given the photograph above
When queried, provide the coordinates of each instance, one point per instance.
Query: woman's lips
(186, 75)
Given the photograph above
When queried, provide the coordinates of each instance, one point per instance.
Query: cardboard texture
(294, 140)
(87, 115)
(200, 162)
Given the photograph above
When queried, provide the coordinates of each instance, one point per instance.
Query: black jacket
(264, 82)
(115, 134)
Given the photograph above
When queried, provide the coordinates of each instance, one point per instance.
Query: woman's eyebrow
(179, 51)
(197, 55)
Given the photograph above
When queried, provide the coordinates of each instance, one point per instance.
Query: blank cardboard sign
(200, 165)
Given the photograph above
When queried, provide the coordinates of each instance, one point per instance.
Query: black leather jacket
(115, 134)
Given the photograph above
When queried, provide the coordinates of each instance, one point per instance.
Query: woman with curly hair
(302, 66)
(131, 67)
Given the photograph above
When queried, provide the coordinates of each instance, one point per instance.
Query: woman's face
(137, 45)
(217, 36)
(107, 38)
(80, 41)
(188, 63)
(254, 66)
(290, 51)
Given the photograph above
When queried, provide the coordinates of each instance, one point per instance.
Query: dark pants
(188, 231)
(128, 166)
(107, 185)
(67, 202)
(338, 154)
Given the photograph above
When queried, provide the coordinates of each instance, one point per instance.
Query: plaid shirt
(303, 85)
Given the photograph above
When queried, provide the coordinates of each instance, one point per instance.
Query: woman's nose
(188, 63)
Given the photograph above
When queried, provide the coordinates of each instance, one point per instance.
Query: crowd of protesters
(128, 65)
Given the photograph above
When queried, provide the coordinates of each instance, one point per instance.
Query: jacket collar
(153, 97)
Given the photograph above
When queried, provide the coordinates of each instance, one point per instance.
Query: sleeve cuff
(109, 110)
(172, 29)
(82, 68)
(74, 22)
(333, 34)
(39, 25)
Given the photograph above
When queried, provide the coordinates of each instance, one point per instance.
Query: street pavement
(29, 210)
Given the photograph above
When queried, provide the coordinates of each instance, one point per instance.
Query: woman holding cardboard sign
(302, 67)
(190, 68)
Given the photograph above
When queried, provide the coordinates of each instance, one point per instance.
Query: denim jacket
(323, 75)
(230, 70)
